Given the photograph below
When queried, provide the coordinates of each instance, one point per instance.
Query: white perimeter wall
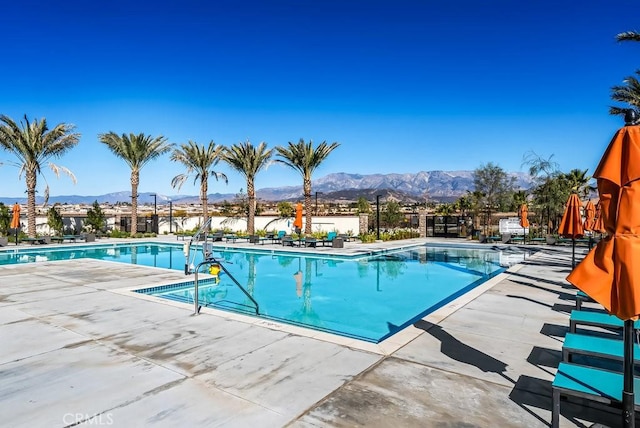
(340, 224)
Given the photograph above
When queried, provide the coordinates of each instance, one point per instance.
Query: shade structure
(571, 223)
(297, 224)
(589, 216)
(608, 274)
(15, 219)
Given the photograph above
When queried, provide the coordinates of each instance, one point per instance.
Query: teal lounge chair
(329, 239)
(596, 319)
(593, 346)
(589, 383)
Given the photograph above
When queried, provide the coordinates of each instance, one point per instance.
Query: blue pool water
(368, 298)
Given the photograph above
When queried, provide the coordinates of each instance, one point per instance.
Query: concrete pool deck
(79, 347)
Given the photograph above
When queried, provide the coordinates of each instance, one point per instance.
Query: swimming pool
(364, 297)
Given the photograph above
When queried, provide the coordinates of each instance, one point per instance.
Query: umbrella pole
(16, 236)
(573, 252)
(628, 408)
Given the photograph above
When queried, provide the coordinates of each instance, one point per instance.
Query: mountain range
(443, 186)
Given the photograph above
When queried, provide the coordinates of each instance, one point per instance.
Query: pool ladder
(207, 250)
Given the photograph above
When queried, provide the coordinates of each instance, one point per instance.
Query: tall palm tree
(34, 144)
(136, 151)
(305, 159)
(199, 160)
(248, 161)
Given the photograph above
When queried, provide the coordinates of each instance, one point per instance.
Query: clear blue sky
(403, 86)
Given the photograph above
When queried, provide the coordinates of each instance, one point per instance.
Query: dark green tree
(95, 217)
(54, 220)
(392, 216)
(445, 209)
(495, 185)
(363, 206)
(285, 209)
(5, 219)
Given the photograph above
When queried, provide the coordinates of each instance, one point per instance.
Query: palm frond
(626, 36)
(58, 168)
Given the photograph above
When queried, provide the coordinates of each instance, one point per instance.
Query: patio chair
(595, 346)
(329, 239)
(596, 319)
(217, 236)
(287, 240)
(310, 242)
(588, 383)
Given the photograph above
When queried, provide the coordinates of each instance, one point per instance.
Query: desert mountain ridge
(441, 186)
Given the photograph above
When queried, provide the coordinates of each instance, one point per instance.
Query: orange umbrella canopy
(608, 274)
(15, 220)
(590, 216)
(571, 223)
(524, 212)
(298, 221)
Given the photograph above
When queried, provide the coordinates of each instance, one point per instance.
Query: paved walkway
(77, 346)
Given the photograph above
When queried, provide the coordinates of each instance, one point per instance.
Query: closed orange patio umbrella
(297, 223)
(524, 220)
(598, 224)
(571, 224)
(589, 216)
(609, 273)
(589, 219)
(15, 219)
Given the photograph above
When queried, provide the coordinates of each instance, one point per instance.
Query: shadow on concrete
(561, 294)
(529, 300)
(555, 330)
(563, 284)
(544, 357)
(456, 350)
(564, 308)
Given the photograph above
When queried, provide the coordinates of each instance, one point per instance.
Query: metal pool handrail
(213, 261)
(196, 237)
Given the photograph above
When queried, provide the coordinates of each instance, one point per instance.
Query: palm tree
(305, 159)
(248, 161)
(578, 182)
(136, 151)
(628, 93)
(34, 144)
(199, 160)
